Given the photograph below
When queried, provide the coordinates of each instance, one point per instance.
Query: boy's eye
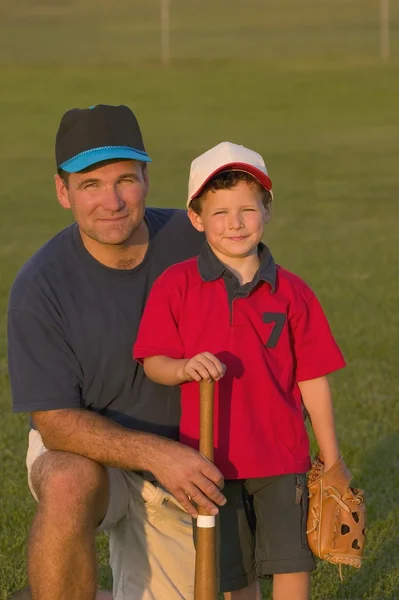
(248, 209)
(220, 212)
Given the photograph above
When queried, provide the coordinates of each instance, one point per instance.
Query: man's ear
(62, 191)
(195, 219)
(146, 178)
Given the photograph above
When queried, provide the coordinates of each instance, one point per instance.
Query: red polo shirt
(270, 333)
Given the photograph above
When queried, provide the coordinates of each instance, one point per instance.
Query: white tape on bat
(205, 521)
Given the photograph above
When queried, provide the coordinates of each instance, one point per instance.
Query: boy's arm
(317, 355)
(159, 345)
(316, 396)
(165, 370)
(174, 371)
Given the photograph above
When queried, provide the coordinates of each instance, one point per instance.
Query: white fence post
(165, 32)
(384, 29)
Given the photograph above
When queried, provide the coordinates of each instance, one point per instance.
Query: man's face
(107, 202)
(233, 220)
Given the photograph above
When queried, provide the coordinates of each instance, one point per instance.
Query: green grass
(313, 97)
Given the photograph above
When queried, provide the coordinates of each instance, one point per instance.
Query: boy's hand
(203, 367)
(331, 460)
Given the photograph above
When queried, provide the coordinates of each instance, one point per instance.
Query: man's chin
(113, 236)
(113, 240)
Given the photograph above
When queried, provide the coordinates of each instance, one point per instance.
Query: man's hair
(227, 180)
(65, 175)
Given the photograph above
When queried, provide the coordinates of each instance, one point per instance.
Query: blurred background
(313, 85)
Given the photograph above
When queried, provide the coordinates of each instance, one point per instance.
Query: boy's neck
(243, 267)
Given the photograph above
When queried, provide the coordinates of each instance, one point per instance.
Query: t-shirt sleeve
(158, 333)
(42, 366)
(316, 351)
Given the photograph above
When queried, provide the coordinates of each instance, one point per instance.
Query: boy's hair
(227, 180)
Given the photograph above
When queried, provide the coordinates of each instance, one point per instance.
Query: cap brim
(91, 157)
(263, 179)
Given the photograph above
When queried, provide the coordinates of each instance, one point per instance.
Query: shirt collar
(211, 268)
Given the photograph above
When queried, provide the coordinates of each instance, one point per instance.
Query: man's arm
(180, 469)
(316, 396)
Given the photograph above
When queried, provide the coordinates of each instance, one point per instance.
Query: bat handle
(207, 390)
(205, 586)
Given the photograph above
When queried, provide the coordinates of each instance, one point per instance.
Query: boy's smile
(233, 220)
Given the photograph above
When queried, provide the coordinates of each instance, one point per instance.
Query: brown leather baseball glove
(337, 515)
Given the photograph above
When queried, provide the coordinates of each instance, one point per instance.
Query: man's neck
(124, 256)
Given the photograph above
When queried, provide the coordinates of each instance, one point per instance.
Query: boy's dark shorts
(263, 530)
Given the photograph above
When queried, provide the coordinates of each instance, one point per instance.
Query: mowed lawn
(328, 127)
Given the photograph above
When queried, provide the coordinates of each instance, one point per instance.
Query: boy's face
(233, 220)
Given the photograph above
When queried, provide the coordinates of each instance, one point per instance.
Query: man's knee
(25, 594)
(66, 481)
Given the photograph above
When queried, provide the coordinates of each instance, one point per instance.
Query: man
(101, 449)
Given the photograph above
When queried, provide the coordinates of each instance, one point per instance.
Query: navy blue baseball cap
(87, 136)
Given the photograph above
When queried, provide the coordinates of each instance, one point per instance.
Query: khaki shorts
(152, 552)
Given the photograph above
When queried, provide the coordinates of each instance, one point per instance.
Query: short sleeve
(42, 367)
(316, 351)
(158, 333)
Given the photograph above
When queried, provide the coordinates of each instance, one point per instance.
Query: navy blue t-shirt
(72, 323)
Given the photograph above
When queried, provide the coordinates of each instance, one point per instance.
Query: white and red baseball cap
(225, 157)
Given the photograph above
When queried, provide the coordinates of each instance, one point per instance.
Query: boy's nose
(235, 221)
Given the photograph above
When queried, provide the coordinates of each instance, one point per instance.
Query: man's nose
(112, 201)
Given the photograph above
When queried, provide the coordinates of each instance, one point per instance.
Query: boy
(234, 316)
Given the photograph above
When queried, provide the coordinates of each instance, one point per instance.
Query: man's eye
(127, 180)
(93, 184)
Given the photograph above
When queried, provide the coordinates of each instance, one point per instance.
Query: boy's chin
(239, 252)
(245, 248)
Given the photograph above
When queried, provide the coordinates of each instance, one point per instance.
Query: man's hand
(202, 367)
(188, 476)
(180, 469)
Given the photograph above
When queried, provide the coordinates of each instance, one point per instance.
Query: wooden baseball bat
(205, 585)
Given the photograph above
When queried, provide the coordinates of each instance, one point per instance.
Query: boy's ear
(195, 219)
(267, 214)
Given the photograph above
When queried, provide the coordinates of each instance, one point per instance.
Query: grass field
(313, 97)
